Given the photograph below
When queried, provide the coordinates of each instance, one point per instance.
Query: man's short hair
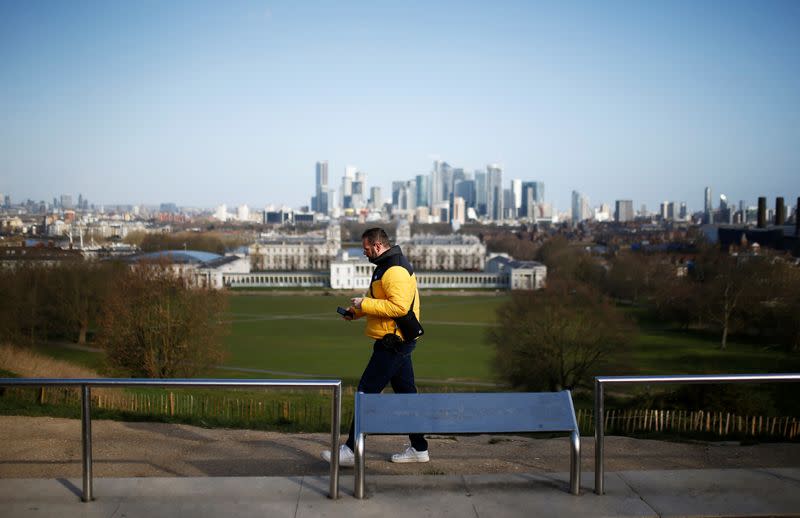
(376, 235)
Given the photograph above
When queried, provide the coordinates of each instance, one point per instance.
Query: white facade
(351, 273)
(455, 252)
(296, 253)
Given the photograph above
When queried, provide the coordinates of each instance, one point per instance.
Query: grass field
(303, 334)
(288, 336)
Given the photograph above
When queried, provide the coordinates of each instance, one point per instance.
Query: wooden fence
(312, 414)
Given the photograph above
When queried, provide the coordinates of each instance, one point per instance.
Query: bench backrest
(465, 412)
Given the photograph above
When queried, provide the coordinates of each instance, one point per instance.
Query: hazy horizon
(200, 103)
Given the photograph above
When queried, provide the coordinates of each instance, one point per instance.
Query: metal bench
(392, 414)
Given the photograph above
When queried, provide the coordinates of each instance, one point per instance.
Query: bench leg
(358, 491)
(575, 463)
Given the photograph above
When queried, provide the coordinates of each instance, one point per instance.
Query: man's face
(371, 250)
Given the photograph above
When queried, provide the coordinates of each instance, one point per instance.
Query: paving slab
(718, 492)
(739, 492)
(548, 495)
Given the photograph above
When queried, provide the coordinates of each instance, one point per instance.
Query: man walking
(392, 292)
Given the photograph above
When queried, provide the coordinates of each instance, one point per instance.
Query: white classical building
(200, 269)
(351, 271)
(522, 275)
(454, 252)
(440, 262)
(310, 252)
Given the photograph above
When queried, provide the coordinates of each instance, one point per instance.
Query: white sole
(409, 461)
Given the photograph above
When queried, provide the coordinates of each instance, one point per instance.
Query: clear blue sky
(202, 103)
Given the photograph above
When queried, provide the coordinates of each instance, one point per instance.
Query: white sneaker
(346, 456)
(411, 455)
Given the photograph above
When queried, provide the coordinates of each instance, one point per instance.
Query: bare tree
(725, 279)
(552, 339)
(154, 325)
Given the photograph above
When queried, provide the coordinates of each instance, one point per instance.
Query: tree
(552, 339)
(725, 279)
(77, 291)
(152, 324)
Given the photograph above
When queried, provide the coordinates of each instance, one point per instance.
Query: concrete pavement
(709, 492)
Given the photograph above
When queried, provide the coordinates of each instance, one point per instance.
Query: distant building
(623, 211)
(523, 275)
(312, 252)
(199, 269)
(494, 192)
(221, 212)
(708, 206)
(581, 211)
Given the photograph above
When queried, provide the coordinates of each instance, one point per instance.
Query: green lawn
(304, 334)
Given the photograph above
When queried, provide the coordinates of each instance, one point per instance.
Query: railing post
(358, 490)
(598, 436)
(575, 463)
(86, 434)
(336, 425)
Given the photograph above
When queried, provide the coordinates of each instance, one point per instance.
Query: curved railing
(86, 420)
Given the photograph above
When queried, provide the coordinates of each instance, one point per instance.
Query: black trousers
(390, 366)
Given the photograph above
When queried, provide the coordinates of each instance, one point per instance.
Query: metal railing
(600, 381)
(86, 420)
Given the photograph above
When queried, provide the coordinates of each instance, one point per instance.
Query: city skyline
(201, 104)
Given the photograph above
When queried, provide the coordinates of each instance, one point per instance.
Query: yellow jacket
(392, 289)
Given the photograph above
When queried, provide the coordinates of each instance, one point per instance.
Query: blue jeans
(387, 366)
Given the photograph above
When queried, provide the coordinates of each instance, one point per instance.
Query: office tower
(459, 214)
(243, 213)
(441, 181)
(494, 192)
(405, 193)
(435, 183)
(581, 211)
(708, 206)
(447, 181)
(396, 188)
(358, 190)
(375, 198)
(516, 191)
(466, 189)
(532, 193)
(480, 193)
(508, 204)
(623, 211)
(423, 190)
(683, 214)
(319, 203)
(671, 214)
(347, 186)
(724, 213)
(66, 201)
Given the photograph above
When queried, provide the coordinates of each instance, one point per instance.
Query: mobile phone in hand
(344, 312)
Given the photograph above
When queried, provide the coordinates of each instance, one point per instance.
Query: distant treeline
(750, 294)
(214, 242)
